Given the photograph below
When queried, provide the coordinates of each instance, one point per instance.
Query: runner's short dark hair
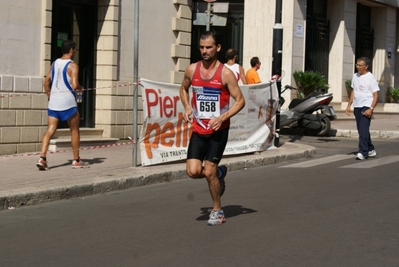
(67, 45)
(213, 34)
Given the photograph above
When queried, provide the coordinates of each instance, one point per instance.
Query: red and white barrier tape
(67, 150)
(10, 94)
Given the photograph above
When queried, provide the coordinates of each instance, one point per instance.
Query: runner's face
(208, 49)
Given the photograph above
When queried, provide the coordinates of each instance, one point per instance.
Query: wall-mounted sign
(202, 17)
(389, 51)
(61, 36)
(299, 30)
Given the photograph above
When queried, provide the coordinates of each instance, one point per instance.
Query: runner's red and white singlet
(210, 99)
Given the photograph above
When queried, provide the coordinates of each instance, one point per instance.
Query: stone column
(383, 21)
(342, 14)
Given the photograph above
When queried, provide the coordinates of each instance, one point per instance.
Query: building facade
(321, 35)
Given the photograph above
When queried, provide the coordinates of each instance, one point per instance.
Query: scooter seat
(295, 102)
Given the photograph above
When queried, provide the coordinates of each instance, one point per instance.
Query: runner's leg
(73, 123)
(210, 171)
(52, 124)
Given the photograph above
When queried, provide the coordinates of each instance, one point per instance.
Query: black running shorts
(208, 147)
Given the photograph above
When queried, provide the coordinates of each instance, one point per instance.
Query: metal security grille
(364, 42)
(317, 44)
(364, 33)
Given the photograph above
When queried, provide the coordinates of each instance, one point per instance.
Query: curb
(147, 176)
(373, 133)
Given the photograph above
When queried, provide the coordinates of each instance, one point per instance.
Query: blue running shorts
(62, 115)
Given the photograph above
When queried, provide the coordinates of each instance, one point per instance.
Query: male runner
(60, 85)
(210, 114)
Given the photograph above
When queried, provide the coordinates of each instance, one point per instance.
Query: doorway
(76, 20)
(317, 48)
(364, 34)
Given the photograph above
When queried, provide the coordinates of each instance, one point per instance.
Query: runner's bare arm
(73, 72)
(47, 81)
(184, 94)
(242, 75)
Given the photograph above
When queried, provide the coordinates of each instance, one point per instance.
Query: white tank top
(62, 95)
(235, 68)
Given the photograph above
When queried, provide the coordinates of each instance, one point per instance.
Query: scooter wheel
(323, 131)
(325, 127)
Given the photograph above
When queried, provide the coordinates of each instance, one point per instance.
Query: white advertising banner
(165, 136)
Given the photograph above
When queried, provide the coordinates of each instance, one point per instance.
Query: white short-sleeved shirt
(363, 88)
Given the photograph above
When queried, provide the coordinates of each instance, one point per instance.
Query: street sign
(216, 20)
(216, 7)
(203, 16)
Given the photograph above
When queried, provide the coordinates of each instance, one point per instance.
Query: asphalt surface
(293, 213)
(21, 183)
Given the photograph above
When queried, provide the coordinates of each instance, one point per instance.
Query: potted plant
(348, 85)
(310, 81)
(393, 93)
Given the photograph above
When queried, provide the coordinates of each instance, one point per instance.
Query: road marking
(373, 162)
(320, 161)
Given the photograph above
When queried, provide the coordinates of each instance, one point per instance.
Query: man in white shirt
(364, 97)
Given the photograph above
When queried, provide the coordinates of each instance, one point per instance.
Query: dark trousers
(363, 128)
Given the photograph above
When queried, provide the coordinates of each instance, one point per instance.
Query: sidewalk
(382, 126)
(21, 183)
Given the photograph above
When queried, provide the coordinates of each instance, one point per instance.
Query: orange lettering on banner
(154, 144)
(168, 134)
(168, 131)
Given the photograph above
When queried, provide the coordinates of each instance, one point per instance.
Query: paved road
(327, 214)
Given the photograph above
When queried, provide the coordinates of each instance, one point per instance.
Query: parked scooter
(311, 114)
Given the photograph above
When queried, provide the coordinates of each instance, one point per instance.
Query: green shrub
(348, 85)
(394, 94)
(310, 81)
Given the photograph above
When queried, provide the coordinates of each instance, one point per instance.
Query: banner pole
(135, 80)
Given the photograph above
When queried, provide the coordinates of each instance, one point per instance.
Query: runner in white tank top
(237, 69)
(60, 84)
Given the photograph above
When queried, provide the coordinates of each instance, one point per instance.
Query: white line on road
(373, 162)
(319, 161)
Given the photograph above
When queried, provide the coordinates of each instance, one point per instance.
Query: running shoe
(222, 174)
(372, 153)
(77, 164)
(42, 164)
(359, 156)
(216, 217)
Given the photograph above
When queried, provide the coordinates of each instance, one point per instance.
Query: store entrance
(76, 20)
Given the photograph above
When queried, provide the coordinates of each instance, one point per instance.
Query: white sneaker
(372, 153)
(216, 217)
(77, 164)
(359, 156)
